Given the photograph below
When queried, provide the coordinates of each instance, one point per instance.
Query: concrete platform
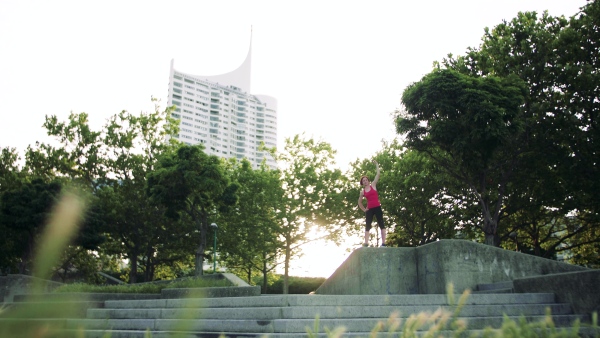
(430, 268)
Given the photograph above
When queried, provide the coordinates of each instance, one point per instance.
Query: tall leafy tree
(249, 232)
(78, 154)
(312, 196)
(11, 179)
(578, 108)
(112, 163)
(25, 212)
(557, 59)
(417, 200)
(138, 229)
(471, 127)
(11, 174)
(193, 183)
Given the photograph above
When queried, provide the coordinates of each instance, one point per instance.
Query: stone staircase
(283, 315)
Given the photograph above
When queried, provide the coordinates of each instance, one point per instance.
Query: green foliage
(191, 183)
(297, 285)
(514, 122)
(312, 196)
(415, 197)
(248, 234)
(11, 175)
(137, 229)
(470, 127)
(24, 212)
(111, 163)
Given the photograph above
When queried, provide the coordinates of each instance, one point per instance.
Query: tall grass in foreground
(63, 224)
(38, 321)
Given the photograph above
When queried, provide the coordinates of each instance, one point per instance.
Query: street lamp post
(214, 226)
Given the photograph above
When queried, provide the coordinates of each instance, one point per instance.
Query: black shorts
(378, 213)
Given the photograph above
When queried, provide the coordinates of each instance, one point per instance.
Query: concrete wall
(429, 269)
(12, 285)
(466, 264)
(371, 271)
(580, 289)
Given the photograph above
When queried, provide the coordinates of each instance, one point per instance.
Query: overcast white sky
(337, 68)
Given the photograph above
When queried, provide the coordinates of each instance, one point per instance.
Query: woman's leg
(368, 221)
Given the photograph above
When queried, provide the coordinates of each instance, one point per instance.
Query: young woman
(369, 191)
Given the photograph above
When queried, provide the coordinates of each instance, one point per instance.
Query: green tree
(193, 183)
(419, 207)
(78, 156)
(11, 179)
(248, 233)
(11, 175)
(418, 199)
(138, 229)
(556, 58)
(578, 109)
(25, 212)
(312, 196)
(470, 126)
(112, 163)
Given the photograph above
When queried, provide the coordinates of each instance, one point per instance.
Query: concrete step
(171, 334)
(332, 300)
(495, 291)
(80, 296)
(300, 312)
(583, 332)
(290, 315)
(504, 287)
(247, 326)
(56, 309)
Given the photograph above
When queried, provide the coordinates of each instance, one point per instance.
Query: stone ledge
(580, 289)
(227, 291)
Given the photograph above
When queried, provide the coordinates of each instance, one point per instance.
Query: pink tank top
(372, 198)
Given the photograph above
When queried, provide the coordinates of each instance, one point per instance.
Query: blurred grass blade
(61, 228)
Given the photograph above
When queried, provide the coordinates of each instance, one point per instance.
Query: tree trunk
(133, 263)
(264, 274)
(27, 256)
(489, 239)
(491, 234)
(288, 252)
(201, 246)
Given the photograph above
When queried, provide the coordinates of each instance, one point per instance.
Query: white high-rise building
(220, 112)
